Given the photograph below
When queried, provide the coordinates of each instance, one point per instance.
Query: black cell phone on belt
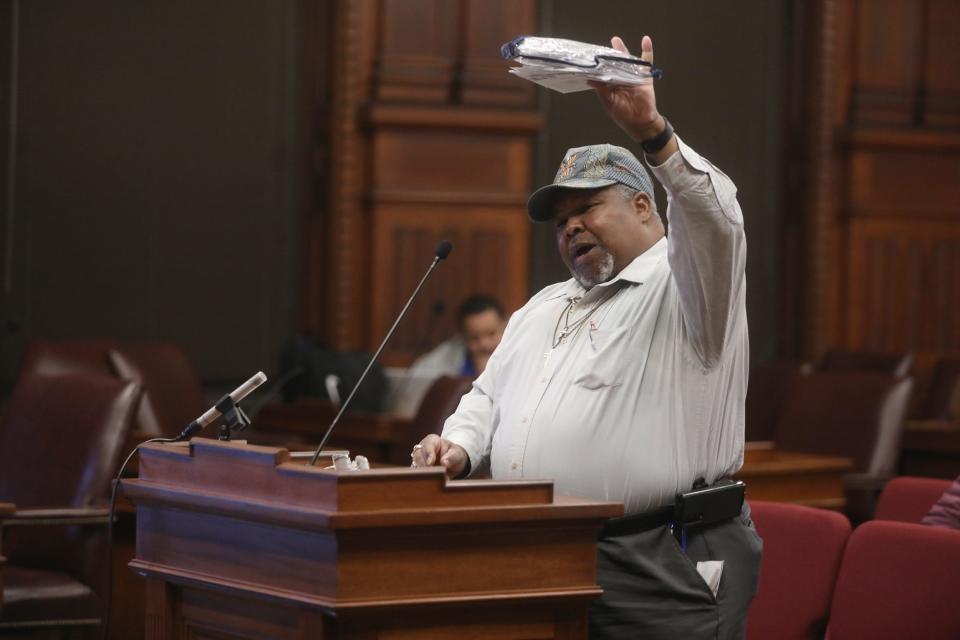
(720, 501)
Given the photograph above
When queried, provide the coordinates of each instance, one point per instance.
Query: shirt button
(524, 421)
(515, 466)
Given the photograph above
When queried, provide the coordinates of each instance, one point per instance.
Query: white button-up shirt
(648, 394)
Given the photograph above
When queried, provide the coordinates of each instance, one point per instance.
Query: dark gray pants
(651, 588)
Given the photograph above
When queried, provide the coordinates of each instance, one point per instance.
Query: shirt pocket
(605, 362)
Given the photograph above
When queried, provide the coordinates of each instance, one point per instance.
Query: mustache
(582, 246)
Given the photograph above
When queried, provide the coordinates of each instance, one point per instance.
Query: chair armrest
(61, 516)
(862, 491)
(865, 481)
(7, 509)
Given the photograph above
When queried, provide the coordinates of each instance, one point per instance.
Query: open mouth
(578, 252)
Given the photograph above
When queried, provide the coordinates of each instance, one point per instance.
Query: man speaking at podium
(627, 382)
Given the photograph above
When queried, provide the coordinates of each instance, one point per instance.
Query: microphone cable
(108, 595)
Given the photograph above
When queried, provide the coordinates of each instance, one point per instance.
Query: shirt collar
(636, 272)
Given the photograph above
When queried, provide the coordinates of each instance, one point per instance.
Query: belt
(637, 523)
(702, 505)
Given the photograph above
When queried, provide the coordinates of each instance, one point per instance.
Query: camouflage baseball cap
(599, 165)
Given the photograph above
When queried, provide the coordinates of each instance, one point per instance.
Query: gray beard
(589, 278)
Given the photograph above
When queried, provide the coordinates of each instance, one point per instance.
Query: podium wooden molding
(243, 541)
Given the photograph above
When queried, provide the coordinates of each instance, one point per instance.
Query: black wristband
(659, 141)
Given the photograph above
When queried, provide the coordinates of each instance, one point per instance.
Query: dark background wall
(156, 177)
(156, 161)
(722, 90)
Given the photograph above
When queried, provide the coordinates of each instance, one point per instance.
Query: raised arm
(707, 246)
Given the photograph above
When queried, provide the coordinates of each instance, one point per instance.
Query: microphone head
(444, 249)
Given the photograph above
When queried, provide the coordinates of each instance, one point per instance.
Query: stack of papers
(567, 65)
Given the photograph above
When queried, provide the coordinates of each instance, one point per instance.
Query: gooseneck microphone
(214, 412)
(443, 250)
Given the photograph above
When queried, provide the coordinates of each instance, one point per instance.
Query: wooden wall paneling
(418, 45)
(459, 174)
(484, 78)
(491, 252)
(424, 120)
(887, 61)
(904, 175)
(903, 285)
(904, 247)
(941, 78)
(879, 188)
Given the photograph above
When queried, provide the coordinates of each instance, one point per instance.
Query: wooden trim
(346, 223)
(466, 198)
(822, 323)
(460, 118)
(926, 140)
(187, 578)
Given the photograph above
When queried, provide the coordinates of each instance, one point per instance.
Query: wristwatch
(659, 141)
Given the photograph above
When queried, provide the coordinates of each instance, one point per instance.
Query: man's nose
(573, 226)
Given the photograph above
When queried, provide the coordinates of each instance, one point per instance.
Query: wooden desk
(930, 448)
(802, 478)
(779, 476)
(380, 437)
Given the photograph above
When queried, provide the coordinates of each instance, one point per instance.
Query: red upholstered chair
(898, 580)
(60, 438)
(908, 499)
(893, 363)
(172, 392)
(802, 549)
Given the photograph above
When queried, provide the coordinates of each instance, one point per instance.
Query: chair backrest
(894, 363)
(60, 438)
(438, 404)
(908, 499)
(802, 549)
(943, 396)
(852, 413)
(64, 357)
(769, 385)
(898, 580)
(172, 392)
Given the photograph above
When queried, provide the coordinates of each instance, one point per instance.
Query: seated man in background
(480, 322)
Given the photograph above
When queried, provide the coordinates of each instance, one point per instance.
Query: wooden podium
(243, 541)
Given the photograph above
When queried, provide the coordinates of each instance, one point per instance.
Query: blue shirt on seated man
(480, 323)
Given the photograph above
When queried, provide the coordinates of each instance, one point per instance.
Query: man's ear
(643, 206)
